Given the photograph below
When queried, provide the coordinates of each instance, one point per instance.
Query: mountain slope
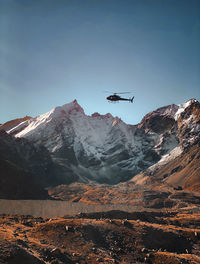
(181, 172)
(17, 183)
(105, 149)
(26, 169)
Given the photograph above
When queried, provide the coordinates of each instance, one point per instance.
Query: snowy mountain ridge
(103, 147)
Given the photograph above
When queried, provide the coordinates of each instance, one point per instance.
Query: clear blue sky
(55, 51)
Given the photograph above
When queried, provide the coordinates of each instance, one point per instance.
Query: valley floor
(161, 236)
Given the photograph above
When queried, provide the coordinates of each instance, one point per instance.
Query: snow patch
(166, 158)
(182, 107)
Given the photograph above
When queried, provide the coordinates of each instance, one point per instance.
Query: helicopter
(115, 97)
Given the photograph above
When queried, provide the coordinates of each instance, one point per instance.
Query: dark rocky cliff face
(189, 125)
(17, 183)
(26, 169)
(157, 123)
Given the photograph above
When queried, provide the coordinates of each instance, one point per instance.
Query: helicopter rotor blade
(108, 92)
(124, 93)
(117, 92)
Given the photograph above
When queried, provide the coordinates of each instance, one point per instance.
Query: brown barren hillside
(183, 171)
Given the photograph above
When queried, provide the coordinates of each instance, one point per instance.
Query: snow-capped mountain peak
(72, 107)
(38, 123)
(169, 110)
(103, 147)
(66, 109)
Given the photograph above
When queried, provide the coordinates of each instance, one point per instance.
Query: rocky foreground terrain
(113, 237)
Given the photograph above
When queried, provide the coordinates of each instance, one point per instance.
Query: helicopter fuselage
(115, 97)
